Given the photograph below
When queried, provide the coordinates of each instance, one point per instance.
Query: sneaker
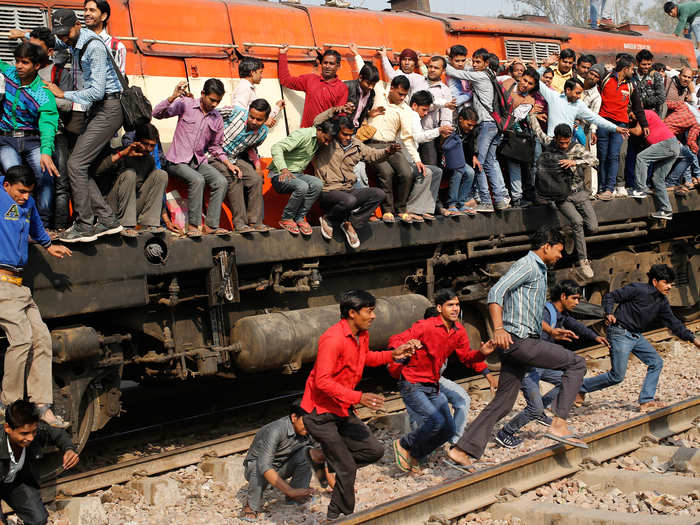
(583, 268)
(108, 229)
(78, 234)
(326, 228)
(507, 440)
(544, 420)
(666, 215)
(485, 208)
(635, 194)
(351, 237)
(620, 192)
(500, 206)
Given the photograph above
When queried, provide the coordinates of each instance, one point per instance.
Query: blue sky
(491, 8)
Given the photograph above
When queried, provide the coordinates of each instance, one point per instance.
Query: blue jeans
(12, 152)
(437, 427)
(460, 187)
(609, 144)
(487, 142)
(304, 189)
(536, 402)
(694, 31)
(687, 163)
(597, 7)
(623, 343)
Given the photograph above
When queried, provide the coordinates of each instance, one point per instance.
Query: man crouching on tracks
(281, 450)
(516, 304)
(19, 315)
(22, 444)
(343, 352)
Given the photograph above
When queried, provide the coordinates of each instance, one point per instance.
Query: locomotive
(177, 308)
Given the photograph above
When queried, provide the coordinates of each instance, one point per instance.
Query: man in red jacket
(343, 353)
(323, 91)
(439, 336)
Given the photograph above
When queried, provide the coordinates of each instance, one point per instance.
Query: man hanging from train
(330, 393)
(516, 303)
(420, 378)
(101, 93)
(21, 442)
(323, 91)
(250, 72)
(19, 315)
(639, 305)
(558, 326)
(96, 15)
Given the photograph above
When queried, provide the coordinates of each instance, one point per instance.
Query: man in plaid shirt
(680, 120)
(650, 85)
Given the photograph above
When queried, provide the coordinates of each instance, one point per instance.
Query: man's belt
(19, 133)
(118, 94)
(13, 279)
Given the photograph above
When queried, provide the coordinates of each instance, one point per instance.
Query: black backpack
(502, 106)
(553, 183)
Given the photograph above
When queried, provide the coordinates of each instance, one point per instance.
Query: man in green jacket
(686, 14)
(290, 157)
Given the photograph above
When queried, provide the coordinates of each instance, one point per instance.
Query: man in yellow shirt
(564, 70)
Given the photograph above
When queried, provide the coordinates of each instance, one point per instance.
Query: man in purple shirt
(200, 129)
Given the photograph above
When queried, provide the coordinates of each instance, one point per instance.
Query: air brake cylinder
(284, 340)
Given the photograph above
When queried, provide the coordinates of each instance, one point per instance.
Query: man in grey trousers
(102, 93)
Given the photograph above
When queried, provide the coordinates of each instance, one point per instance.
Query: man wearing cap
(101, 92)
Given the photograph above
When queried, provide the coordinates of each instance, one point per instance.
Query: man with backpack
(560, 180)
(494, 117)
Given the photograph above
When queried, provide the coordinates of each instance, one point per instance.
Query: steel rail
(471, 492)
(121, 472)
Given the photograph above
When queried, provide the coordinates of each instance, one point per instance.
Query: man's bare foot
(580, 398)
(650, 406)
(459, 456)
(560, 429)
(249, 514)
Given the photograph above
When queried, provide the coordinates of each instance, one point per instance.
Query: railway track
(92, 480)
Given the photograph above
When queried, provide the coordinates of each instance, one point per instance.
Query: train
(171, 308)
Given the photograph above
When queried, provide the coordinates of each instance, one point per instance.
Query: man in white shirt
(250, 71)
(408, 63)
(395, 123)
(20, 444)
(440, 112)
(97, 13)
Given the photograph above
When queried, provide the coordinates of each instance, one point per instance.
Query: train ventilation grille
(527, 50)
(16, 17)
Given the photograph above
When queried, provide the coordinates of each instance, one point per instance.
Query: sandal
(305, 227)
(220, 232)
(406, 217)
(290, 226)
(452, 211)
(388, 217)
(194, 234)
(428, 217)
(374, 218)
(244, 229)
(53, 420)
(129, 233)
(681, 191)
(416, 218)
(262, 228)
(401, 461)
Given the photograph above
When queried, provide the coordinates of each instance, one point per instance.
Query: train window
(18, 17)
(545, 49)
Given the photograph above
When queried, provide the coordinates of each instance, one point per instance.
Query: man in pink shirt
(323, 91)
(663, 151)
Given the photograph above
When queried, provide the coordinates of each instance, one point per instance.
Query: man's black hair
(563, 130)
(45, 35)
(422, 98)
(31, 51)
(572, 83)
(547, 70)
(438, 58)
(661, 272)
(443, 295)
(355, 300)
(103, 6)
(147, 132)
(214, 85)
(468, 113)
(623, 62)
(296, 410)
(668, 6)
(590, 59)
(493, 62)
(401, 81)
(369, 73)
(566, 287)
(20, 175)
(20, 413)
(260, 104)
(329, 127)
(567, 53)
(331, 52)
(481, 53)
(248, 65)
(458, 50)
(534, 75)
(546, 235)
(344, 122)
(658, 66)
(431, 311)
(644, 54)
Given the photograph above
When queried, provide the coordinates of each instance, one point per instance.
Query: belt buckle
(17, 134)
(12, 279)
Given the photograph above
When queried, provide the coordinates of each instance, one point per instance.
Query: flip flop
(399, 457)
(566, 440)
(467, 469)
(317, 467)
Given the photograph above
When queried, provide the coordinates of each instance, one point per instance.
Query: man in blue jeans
(638, 306)
(439, 336)
(557, 326)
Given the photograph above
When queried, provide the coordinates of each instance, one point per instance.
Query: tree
(576, 12)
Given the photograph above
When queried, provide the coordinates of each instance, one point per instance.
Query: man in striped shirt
(244, 131)
(516, 304)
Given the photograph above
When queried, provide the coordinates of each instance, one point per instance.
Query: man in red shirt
(323, 91)
(439, 336)
(343, 353)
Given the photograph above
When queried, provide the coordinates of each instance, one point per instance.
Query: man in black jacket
(25, 437)
(361, 91)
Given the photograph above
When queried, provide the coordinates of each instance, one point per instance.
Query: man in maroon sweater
(343, 353)
(323, 91)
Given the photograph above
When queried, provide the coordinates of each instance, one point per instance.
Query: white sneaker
(583, 268)
(620, 192)
(635, 194)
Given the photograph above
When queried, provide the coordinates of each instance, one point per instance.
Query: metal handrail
(371, 48)
(195, 44)
(278, 46)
